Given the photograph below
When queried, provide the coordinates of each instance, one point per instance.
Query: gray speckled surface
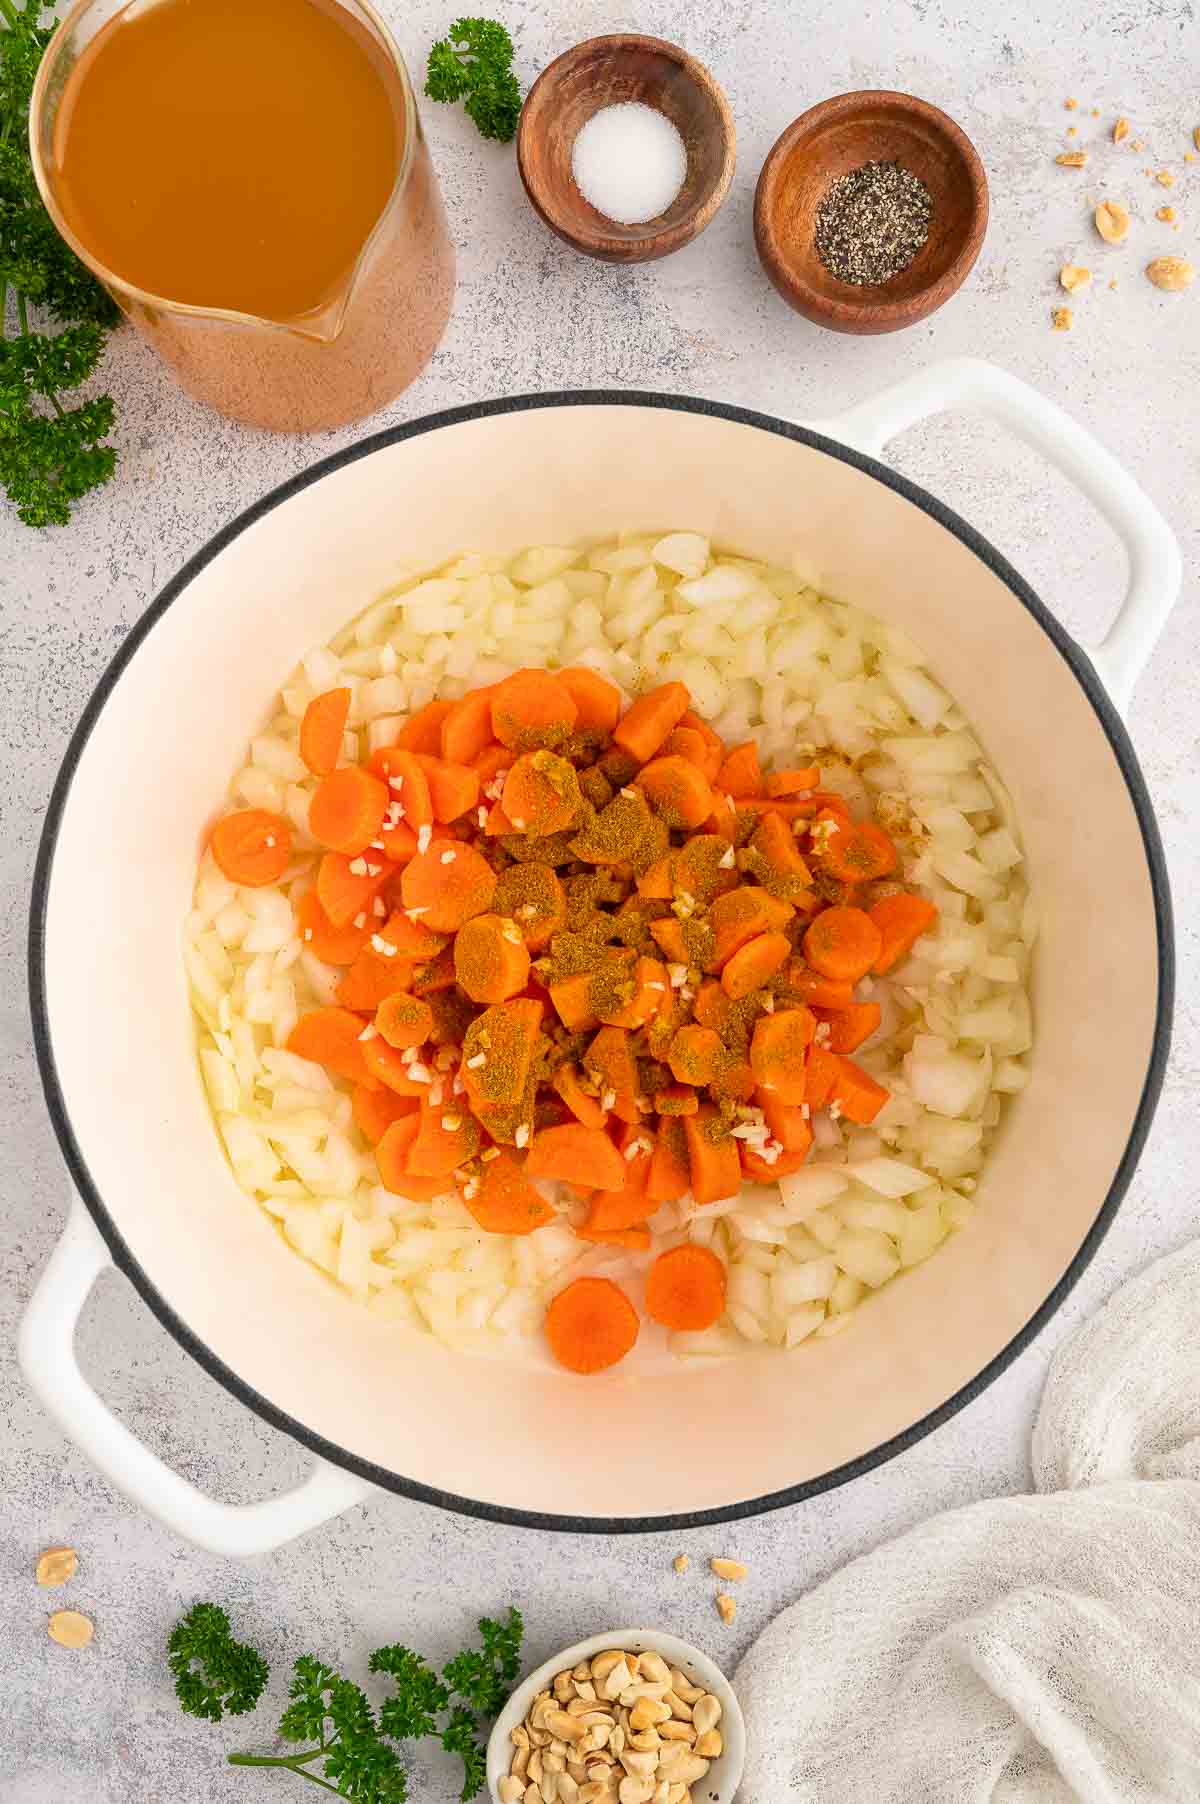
(103, 1724)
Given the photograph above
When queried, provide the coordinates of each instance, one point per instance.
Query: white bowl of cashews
(634, 1676)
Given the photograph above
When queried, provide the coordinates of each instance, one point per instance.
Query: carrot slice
(252, 847)
(694, 1054)
(495, 760)
(404, 1020)
(609, 1061)
(568, 1081)
(769, 1171)
(347, 886)
(591, 1325)
(491, 961)
(716, 746)
(699, 747)
(628, 1205)
(506, 1036)
(634, 1240)
(676, 1099)
(437, 974)
(347, 810)
(786, 1122)
(741, 914)
(714, 1166)
(685, 1288)
(678, 791)
(532, 709)
(669, 1176)
(411, 939)
(655, 882)
(375, 1111)
(723, 819)
(578, 1154)
(901, 921)
(650, 984)
(667, 935)
(532, 896)
(801, 982)
(650, 719)
(820, 1076)
(422, 732)
(788, 782)
(453, 788)
(597, 702)
(711, 1007)
(572, 999)
(407, 783)
(856, 1093)
(740, 774)
(755, 963)
(497, 823)
(733, 1080)
(387, 1065)
(502, 1199)
(370, 980)
(447, 885)
(322, 728)
(541, 794)
(447, 1138)
(849, 1027)
(391, 1155)
(856, 851)
(332, 945)
(778, 1052)
(842, 943)
(331, 1037)
(467, 728)
(775, 844)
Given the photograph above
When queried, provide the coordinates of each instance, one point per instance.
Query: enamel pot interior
(153, 758)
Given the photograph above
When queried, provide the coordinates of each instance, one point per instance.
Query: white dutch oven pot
(154, 751)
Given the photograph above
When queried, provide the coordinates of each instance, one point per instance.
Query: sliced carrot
(467, 728)
(755, 963)
(711, 1006)
(491, 961)
(493, 761)
(856, 1093)
(541, 794)
(502, 1199)
(453, 788)
(655, 882)
(789, 782)
(697, 745)
(765, 1170)
(652, 716)
(447, 1137)
(842, 943)
(740, 774)
(669, 1176)
(786, 809)
(497, 823)
(331, 1037)
(801, 982)
(776, 845)
(741, 914)
(578, 1154)
(713, 1164)
(322, 728)
(387, 1065)
(404, 1020)
(650, 983)
(685, 1289)
(609, 1061)
(678, 791)
(572, 999)
(626, 1206)
(634, 1240)
(449, 883)
(422, 731)
(733, 1080)
(778, 1052)
(820, 1076)
(399, 841)
(568, 1081)
(849, 1027)
(901, 921)
(375, 1111)
(676, 1099)
(347, 886)
(695, 1054)
(435, 974)
(391, 1155)
(252, 847)
(532, 709)
(506, 1036)
(591, 1325)
(857, 852)
(347, 810)
(723, 819)
(597, 702)
(407, 783)
(786, 1122)
(411, 939)
(332, 945)
(370, 980)
(667, 935)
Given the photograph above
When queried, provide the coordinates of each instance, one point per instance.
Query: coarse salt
(629, 162)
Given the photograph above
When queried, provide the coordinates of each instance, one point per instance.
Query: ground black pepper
(872, 222)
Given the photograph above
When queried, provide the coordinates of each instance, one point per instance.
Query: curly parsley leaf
(474, 63)
(214, 1674)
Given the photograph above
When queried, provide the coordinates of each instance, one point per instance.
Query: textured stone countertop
(530, 315)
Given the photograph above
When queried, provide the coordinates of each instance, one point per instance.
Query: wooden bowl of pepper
(870, 211)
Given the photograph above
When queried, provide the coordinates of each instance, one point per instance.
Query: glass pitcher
(315, 371)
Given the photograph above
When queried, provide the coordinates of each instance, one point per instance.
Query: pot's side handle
(46, 1349)
(1155, 570)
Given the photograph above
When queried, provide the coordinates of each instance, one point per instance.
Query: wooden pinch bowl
(872, 125)
(608, 71)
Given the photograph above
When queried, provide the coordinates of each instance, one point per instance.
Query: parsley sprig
(474, 63)
(50, 455)
(351, 1742)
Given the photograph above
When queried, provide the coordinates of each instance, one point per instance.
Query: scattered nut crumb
(1120, 131)
(1063, 319)
(1070, 105)
(1166, 214)
(1072, 159)
(1072, 276)
(1113, 282)
(729, 1569)
(681, 1562)
(726, 1606)
(1171, 273)
(56, 1566)
(1111, 221)
(1165, 179)
(70, 1629)
(1072, 131)
(1138, 144)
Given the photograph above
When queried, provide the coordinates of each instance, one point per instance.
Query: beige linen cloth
(1033, 1650)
